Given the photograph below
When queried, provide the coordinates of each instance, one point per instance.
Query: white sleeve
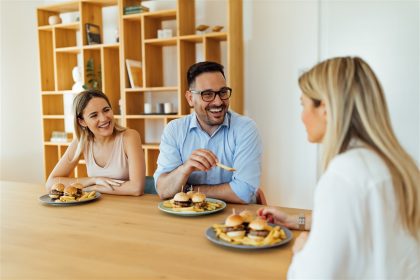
(333, 247)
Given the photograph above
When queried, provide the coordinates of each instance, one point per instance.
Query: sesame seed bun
(234, 220)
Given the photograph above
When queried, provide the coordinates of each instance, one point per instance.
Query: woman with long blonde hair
(113, 154)
(366, 215)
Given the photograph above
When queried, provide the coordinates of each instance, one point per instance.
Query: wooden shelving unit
(64, 46)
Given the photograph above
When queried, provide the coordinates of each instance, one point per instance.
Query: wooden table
(120, 237)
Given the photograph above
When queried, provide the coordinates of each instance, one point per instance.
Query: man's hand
(199, 160)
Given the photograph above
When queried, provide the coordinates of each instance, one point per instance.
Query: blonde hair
(356, 108)
(83, 134)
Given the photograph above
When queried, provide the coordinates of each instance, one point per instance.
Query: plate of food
(191, 204)
(242, 231)
(70, 195)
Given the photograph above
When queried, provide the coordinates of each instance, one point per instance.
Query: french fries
(208, 206)
(85, 196)
(275, 235)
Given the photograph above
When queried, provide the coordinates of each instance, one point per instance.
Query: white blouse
(356, 232)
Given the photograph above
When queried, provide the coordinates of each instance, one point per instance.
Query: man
(191, 146)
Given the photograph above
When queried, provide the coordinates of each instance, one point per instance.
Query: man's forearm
(169, 184)
(223, 192)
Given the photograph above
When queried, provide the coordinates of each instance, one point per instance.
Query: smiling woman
(113, 154)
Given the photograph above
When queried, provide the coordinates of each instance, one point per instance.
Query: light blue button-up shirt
(236, 143)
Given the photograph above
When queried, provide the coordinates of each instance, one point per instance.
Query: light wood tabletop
(117, 237)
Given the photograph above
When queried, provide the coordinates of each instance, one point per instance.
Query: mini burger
(70, 193)
(258, 229)
(191, 193)
(234, 226)
(247, 216)
(199, 200)
(181, 199)
(79, 187)
(57, 190)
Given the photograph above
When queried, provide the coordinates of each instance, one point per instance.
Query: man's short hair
(203, 67)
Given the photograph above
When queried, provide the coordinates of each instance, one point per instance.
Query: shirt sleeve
(333, 247)
(247, 162)
(169, 155)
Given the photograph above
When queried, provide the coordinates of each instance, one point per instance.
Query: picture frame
(135, 73)
(93, 34)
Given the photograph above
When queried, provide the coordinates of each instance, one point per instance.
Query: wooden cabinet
(64, 46)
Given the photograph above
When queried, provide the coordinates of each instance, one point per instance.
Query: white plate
(211, 235)
(193, 213)
(51, 201)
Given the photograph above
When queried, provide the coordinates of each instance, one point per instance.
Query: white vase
(54, 20)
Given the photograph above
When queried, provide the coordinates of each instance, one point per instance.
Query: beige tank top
(117, 165)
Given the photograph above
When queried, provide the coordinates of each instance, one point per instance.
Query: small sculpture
(217, 28)
(201, 27)
(77, 78)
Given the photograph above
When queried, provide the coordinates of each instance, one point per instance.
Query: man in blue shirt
(191, 146)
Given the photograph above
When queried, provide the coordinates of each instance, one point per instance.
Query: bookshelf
(64, 46)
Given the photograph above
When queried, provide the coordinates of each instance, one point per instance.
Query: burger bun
(181, 197)
(236, 233)
(247, 215)
(198, 197)
(70, 191)
(258, 224)
(58, 187)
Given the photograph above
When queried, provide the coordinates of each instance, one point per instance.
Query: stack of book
(135, 9)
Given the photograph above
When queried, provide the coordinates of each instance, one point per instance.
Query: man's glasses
(209, 95)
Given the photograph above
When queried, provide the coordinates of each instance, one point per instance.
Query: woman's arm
(63, 169)
(136, 168)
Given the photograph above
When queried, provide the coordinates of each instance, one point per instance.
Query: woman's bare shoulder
(131, 135)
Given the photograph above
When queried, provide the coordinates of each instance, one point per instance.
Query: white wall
(282, 38)
(386, 34)
(21, 132)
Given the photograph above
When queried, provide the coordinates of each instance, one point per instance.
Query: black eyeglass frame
(201, 92)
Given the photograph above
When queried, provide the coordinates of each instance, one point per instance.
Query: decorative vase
(54, 20)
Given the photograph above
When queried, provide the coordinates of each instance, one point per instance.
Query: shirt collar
(195, 124)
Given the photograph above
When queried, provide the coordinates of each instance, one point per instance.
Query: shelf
(68, 50)
(132, 17)
(164, 64)
(71, 26)
(199, 38)
(192, 38)
(157, 89)
(162, 15)
(51, 92)
(162, 42)
(49, 143)
(151, 146)
(102, 3)
(99, 46)
(53, 117)
(66, 7)
(219, 36)
(45, 28)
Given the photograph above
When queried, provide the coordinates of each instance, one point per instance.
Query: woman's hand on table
(103, 183)
(108, 182)
(274, 215)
